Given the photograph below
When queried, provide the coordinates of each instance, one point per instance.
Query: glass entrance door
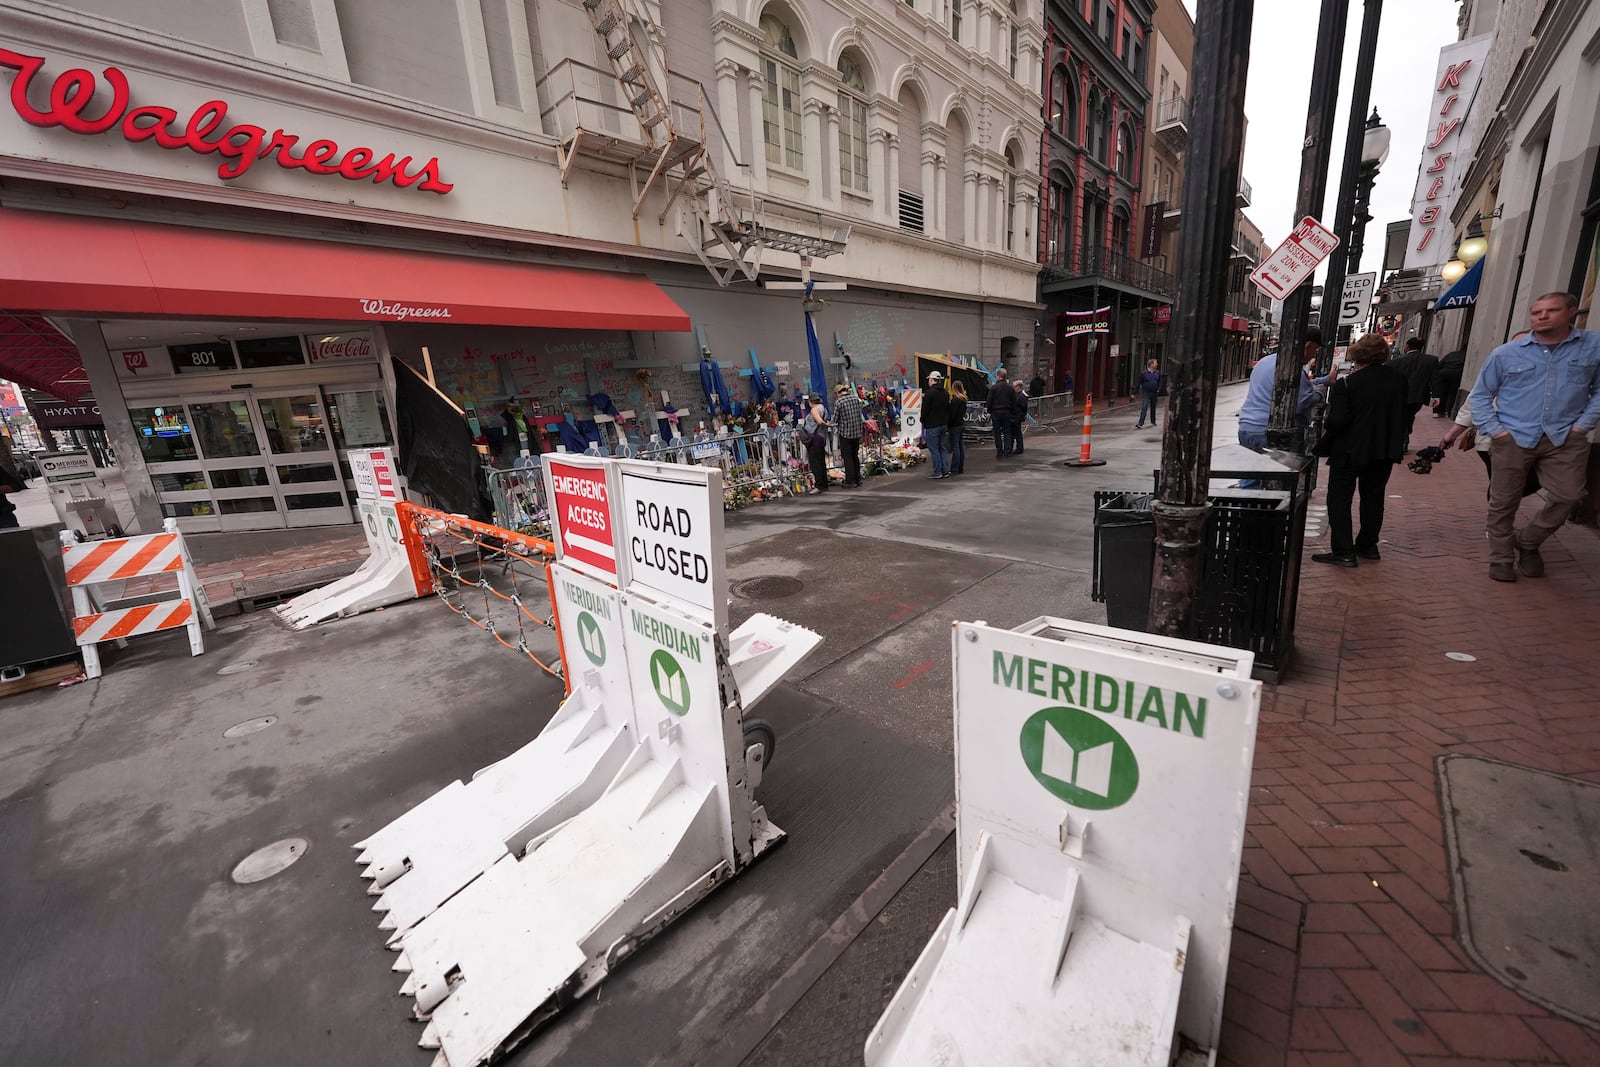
(245, 460)
(301, 462)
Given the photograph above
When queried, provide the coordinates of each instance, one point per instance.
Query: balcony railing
(1108, 264)
(1174, 109)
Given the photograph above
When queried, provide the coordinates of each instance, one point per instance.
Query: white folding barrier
(513, 894)
(120, 559)
(386, 576)
(1102, 779)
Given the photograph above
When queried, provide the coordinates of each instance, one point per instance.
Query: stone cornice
(725, 26)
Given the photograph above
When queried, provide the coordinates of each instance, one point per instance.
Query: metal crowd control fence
(456, 557)
(1053, 410)
(1249, 567)
(518, 496)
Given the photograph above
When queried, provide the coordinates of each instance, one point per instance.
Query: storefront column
(969, 184)
(728, 105)
(877, 171)
(892, 202)
(119, 427)
(834, 188)
(811, 127)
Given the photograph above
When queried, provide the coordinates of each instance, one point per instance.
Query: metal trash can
(1249, 562)
(1124, 554)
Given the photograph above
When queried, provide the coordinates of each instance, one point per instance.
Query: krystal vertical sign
(1446, 152)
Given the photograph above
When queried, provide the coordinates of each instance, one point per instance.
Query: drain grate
(774, 587)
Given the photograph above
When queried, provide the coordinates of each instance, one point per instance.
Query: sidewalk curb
(768, 1011)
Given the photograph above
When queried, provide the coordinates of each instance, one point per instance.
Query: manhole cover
(272, 859)
(772, 588)
(1461, 657)
(238, 668)
(250, 726)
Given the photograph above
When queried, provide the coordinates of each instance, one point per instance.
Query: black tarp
(436, 452)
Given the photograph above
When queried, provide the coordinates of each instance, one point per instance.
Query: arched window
(1059, 242)
(852, 126)
(1014, 48)
(1120, 230)
(780, 95)
(1099, 126)
(1125, 152)
(1058, 101)
(1012, 166)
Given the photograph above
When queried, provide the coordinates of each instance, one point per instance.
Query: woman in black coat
(1363, 438)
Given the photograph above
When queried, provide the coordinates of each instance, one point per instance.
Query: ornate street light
(1474, 247)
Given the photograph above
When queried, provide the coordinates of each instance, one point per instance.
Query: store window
(224, 429)
(293, 424)
(239, 478)
(780, 95)
(359, 419)
(164, 433)
(259, 352)
(852, 126)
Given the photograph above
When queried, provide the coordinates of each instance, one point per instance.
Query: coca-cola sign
(339, 347)
(75, 94)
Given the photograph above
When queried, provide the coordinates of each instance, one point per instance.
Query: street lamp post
(1374, 150)
(1221, 66)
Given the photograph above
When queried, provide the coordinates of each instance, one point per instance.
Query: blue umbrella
(819, 373)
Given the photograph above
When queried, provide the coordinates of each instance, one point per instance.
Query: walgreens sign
(75, 103)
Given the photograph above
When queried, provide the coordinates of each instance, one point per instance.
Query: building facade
(628, 175)
(1533, 184)
(1096, 290)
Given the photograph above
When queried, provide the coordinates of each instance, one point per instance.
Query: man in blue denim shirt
(1537, 398)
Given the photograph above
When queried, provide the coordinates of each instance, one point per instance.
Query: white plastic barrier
(1102, 779)
(386, 576)
(424, 857)
(520, 891)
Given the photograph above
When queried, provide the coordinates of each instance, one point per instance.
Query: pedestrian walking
(1256, 411)
(1152, 384)
(957, 424)
(1019, 415)
(1037, 387)
(849, 420)
(1002, 402)
(1447, 384)
(1538, 399)
(936, 424)
(813, 432)
(1363, 438)
(1417, 366)
(1464, 436)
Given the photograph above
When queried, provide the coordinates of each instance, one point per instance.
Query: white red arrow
(587, 544)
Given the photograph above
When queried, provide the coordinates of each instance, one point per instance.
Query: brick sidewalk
(1344, 946)
(219, 578)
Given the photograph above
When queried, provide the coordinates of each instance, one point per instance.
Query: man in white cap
(935, 424)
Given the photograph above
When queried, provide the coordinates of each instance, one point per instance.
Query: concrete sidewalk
(1346, 943)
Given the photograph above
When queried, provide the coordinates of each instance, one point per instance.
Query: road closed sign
(582, 525)
(672, 536)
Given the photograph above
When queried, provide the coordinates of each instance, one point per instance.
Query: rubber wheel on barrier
(760, 732)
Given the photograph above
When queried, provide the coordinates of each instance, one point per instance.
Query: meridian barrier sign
(1102, 779)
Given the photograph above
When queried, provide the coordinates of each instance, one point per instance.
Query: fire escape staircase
(671, 149)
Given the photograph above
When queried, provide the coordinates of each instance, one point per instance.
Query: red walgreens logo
(135, 361)
(205, 133)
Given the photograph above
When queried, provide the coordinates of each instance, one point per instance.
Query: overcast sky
(1281, 43)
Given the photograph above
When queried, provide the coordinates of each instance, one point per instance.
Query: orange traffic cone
(1084, 459)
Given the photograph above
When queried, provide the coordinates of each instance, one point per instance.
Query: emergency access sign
(580, 513)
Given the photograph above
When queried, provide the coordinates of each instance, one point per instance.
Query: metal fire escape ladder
(682, 160)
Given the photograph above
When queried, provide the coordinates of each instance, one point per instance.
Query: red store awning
(70, 265)
(35, 354)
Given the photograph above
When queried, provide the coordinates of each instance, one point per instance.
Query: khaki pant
(1561, 470)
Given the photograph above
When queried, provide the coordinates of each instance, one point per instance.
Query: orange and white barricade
(118, 559)
(910, 417)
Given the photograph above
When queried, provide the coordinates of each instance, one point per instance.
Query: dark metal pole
(1210, 184)
(1315, 154)
(1345, 225)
